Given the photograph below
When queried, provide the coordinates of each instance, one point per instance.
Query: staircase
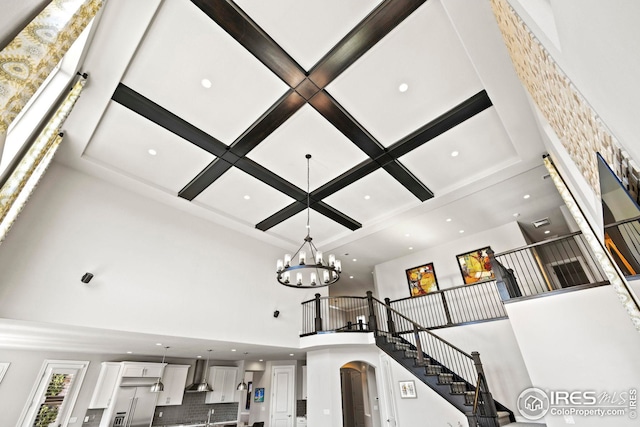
(456, 376)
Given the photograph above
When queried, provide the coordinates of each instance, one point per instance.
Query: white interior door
(282, 396)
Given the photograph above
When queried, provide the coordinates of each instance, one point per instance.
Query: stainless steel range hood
(199, 379)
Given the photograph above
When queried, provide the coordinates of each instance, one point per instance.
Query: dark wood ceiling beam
(253, 38)
(331, 110)
(277, 114)
(138, 103)
(271, 179)
(406, 178)
(452, 118)
(281, 215)
(380, 22)
(349, 177)
(336, 215)
(209, 174)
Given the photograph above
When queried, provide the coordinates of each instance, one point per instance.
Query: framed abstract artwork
(422, 280)
(475, 266)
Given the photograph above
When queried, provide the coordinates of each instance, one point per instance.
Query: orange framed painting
(422, 280)
(475, 266)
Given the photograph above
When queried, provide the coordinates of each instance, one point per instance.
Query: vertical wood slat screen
(30, 57)
(25, 177)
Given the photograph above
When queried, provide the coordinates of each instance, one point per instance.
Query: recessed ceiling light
(454, 154)
(152, 152)
(233, 349)
(547, 232)
(350, 277)
(448, 220)
(410, 248)
(403, 87)
(526, 196)
(290, 354)
(129, 352)
(516, 214)
(198, 357)
(367, 197)
(158, 343)
(206, 83)
(461, 231)
(247, 197)
(407, 235)
(261, 360)
(355, 259)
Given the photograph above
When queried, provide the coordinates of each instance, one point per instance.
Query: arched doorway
(359, 395)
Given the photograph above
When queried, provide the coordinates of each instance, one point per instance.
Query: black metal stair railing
(448, 370)
(622, 239)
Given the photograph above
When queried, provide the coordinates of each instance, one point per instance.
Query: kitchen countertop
(217, 423)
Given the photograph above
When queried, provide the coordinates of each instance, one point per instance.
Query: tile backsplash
(193, 409)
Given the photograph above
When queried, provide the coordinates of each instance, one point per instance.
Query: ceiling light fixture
(547, 232)
(448, 219)
(206, 83)
(526, 196)
(454, 154)
(403, 87)
(158, 386)
(247, 197)
(461, 231)
(152, 152)
(314, 265)
(410, 248)
(516, 214)
(367, 197)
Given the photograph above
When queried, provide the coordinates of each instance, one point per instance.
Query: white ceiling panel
(377, 195)
(123, 139)
(306, 132)
(182, 47)
(242, 197)
(483, 147)
(423, 52)
(306, 32)
(294, 229)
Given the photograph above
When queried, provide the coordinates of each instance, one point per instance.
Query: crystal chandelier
(311, 270)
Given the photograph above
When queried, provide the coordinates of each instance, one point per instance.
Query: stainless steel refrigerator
(135, 404)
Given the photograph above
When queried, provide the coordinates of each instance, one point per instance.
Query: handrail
(622, 221)
(542, 242)
(440, 291)
(476, 396)
(419, 327)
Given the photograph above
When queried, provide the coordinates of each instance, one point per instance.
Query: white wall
(578, 341)
(503, 365)
(147, 258)
(391, 281)
(324, 390)
(598, 51)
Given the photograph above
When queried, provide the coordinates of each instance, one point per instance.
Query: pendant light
(204, 385)
(243, 385)
(311, 271)
(158, 386)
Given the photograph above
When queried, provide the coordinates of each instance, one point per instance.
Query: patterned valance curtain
(24, 65)
(29, 58)
(24, 178)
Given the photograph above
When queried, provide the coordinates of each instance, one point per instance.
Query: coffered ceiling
(410, 110)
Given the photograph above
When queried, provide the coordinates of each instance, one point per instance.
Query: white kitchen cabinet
(224, 382)
(137, 369)
(174, 379)
(106, 385)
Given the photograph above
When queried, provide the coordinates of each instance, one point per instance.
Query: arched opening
(359, 395)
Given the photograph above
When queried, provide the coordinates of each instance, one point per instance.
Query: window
(54, 394)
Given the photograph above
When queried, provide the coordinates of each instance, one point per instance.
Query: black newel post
(498, 272)
(390, 324)
(373, 321)
(487, 398)
(318, 314)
